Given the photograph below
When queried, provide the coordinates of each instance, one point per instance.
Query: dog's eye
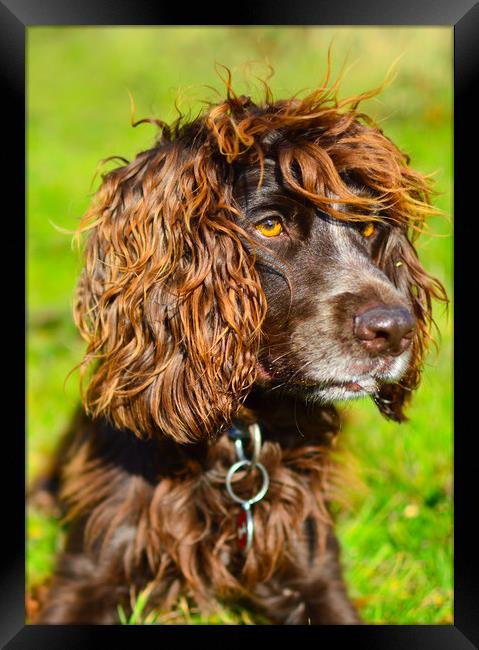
(368, 230)
(271, 227)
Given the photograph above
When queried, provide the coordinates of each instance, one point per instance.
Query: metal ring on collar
(259, 495)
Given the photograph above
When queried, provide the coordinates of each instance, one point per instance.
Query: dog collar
(244, 520)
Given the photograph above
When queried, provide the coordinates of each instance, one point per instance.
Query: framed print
(272, 240)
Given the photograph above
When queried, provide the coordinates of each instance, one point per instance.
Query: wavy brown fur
(183, 524)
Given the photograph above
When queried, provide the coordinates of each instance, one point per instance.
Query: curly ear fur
(400, 262)
(169, 301)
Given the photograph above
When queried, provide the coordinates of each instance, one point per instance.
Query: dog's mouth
(344, 387)
(338, 391)
(367, 385)
(361, 382)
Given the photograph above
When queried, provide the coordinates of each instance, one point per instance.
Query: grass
(395, 520)
(184, 613)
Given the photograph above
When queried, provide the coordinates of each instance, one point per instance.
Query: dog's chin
(320, 386)
(344, 391)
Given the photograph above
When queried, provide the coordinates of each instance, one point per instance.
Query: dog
(252, 268)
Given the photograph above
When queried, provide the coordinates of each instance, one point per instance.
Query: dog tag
(245, 527)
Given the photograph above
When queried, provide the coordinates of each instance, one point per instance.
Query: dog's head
(269, 243)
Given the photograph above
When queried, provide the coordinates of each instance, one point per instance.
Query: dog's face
(259, 243)
(336, 326)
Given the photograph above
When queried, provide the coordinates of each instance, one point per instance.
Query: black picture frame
(463, 15)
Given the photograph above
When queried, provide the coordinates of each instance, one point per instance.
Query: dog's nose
(385, 329)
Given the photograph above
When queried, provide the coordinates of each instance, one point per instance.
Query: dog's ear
(399, 260)
(169, 300)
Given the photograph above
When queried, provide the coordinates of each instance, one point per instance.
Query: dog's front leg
(81, 594)
(310, 591)
(323, 588)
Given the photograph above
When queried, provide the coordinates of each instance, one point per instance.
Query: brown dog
(254, 266)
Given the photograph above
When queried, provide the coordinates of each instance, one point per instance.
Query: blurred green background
(395, 511)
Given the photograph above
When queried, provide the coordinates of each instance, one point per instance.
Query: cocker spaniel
(254, 266)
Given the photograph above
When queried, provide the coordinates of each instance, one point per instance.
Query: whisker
(307, 363)
(285, 354)
(295, 411)
(293, 375)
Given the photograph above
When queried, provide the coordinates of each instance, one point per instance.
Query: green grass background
(395, 516)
